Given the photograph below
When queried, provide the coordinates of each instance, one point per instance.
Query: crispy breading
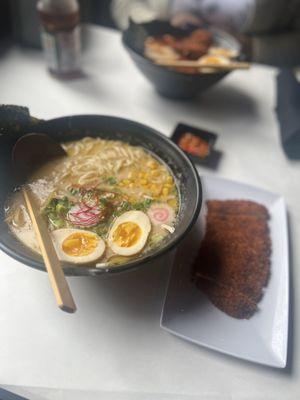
(237, 207)
(222, 297)
(234, 254)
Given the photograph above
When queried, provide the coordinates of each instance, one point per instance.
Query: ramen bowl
(167, 82)
(76, 127)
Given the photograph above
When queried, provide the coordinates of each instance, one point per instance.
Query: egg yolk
(127, 234)
(80, 244)
(212, 60)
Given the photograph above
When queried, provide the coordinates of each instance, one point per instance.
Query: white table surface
(46, 354)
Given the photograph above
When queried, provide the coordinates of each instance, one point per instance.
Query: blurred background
(19, 19)
(269, 29)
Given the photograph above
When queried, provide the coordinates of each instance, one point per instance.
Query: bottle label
(62, 50)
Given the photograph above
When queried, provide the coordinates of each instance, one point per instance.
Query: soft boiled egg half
(77, 245)
(129, 233)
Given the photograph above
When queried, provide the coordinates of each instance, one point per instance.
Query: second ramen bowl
(76, 127)
(168, 82)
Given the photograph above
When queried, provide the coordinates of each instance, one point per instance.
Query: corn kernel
(172, 203)
(153, 165)
(126, 182)
(155, 173)
(131, 185)
(168, 185)
(165, 191)
(169, 179)
(144, 181)
(155, 189)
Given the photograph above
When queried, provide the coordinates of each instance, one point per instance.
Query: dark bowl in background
(75, 127)
(167, 82)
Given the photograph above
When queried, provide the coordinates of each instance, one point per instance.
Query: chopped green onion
(143, 205)
(57, 223)
(73, 191)
(111, 180)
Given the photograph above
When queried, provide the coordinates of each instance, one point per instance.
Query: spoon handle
(57, 278)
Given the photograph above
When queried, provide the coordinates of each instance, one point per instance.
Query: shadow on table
(222, 104)
(7, 395)
(135, 293)
(226, 101)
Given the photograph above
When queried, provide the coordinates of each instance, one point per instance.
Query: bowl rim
(148, 61)
(89, 271)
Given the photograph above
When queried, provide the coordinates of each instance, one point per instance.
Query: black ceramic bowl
(76, 127)
(167, 82)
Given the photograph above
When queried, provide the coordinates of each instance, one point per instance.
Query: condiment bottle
(60, 23)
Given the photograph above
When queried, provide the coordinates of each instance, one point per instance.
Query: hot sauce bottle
(60, 25)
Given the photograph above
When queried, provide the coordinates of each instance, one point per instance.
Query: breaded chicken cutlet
(233, 264)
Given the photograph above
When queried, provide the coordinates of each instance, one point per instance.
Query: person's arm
(280, 49)
(138, 10)
(233, 15)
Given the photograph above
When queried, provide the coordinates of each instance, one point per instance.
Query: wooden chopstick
(57, 278)
(195, 64)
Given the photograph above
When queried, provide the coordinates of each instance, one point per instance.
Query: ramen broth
(105, 202)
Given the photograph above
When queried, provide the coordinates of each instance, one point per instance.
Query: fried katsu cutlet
(237, 207)
(222, 297)
(233, 264)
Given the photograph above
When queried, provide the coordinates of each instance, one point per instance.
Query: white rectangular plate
(189, 314)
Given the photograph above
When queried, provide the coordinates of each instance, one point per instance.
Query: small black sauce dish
(198, 144)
